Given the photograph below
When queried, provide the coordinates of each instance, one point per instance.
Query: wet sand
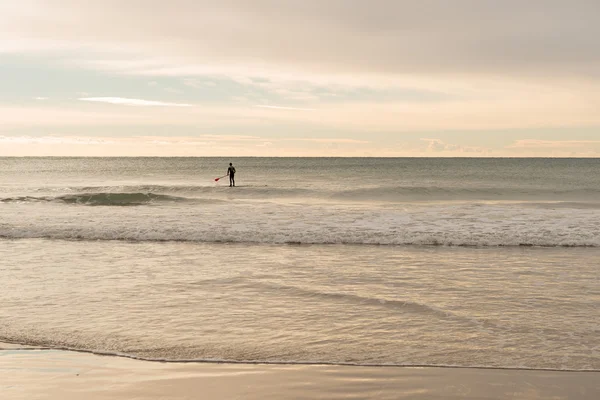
(51, 374)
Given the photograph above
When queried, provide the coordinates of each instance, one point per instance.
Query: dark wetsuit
(231, 173)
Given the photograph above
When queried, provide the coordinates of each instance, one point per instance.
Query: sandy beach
(50, 374)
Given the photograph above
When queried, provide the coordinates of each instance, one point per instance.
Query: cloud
(388, 68)
(202, 145)
(336, 37)
(328, 140)
(534, 143)
(479, 53)
(265, 144)
(240, 99)
(173, 90)
(286, 108)
(198, 84)
(246, 145)
(54, 140)
(132, 102)
(231, 137)
(439, 146)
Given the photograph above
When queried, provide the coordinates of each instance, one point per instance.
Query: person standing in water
(231, 174)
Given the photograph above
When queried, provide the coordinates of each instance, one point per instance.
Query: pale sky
(300, 78)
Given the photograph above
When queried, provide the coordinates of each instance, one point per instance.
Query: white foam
(458, 225)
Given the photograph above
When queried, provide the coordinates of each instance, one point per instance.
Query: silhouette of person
(231, 174)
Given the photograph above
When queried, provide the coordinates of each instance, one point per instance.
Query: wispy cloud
(328, 140)
(53, 140)
(206, 145)
(133, 102)
(535, 143)
(173, 90)
(286, 108)
(445, 37)
(438, 145)
(198, 84)
(230, 137)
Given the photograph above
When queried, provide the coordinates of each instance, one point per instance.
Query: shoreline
(13, 346)
(58, 374)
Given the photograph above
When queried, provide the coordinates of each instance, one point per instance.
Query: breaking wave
(219, 218)
(98, 199)
(381, 194)
(138, 234)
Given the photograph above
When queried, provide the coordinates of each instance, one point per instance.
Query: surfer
(231, 174)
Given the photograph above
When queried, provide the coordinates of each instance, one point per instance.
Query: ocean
(470, 262)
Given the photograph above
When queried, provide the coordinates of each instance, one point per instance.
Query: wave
(36, 345)
(98, 199)
(424, 193)
(406, 306)
(427, 241)
(473, 224)
(258, 191)
(382, 194)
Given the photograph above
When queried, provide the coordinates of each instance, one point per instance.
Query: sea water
(405, 261)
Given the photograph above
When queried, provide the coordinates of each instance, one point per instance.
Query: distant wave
(442, 239)
(253, 191)
(98, 199)
(424, 193)
(381, 194)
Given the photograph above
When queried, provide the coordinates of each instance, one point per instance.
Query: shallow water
(535, 308)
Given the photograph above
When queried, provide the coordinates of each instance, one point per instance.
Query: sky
(437, 78)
